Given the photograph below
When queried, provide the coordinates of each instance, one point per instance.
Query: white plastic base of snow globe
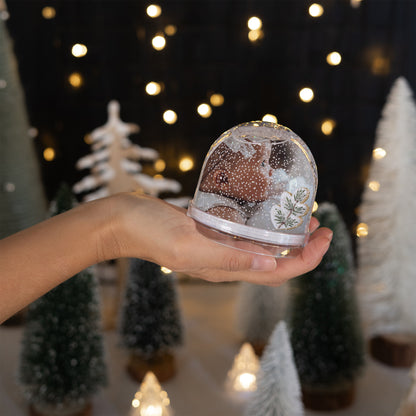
(246, 238)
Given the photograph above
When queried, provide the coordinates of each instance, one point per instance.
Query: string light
(159, 42)
(327, 126)
(374, 186)
(316, 10)
(186, 164)
(216, 100)
(170, 30)
(379, 153)
(362, 230)
(204, 110)
(153, 88)
(79, 50)
(306, 94)
(76, 80)
(170, 117)
(159, 165)
(334, 58)
(315, 206)
(49, 154)
(165, 270)
(154, 10)
(255, 35)
(270, 118)
(48, 12)
(254, 23)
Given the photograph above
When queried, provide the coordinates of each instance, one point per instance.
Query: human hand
(156, 231)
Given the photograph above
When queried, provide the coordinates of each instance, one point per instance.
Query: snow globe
(256, 190)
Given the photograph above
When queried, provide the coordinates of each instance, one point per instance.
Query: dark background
(211, 53)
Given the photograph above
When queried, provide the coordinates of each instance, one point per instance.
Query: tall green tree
(151, 322)
(22, 200)
(325, 329)
(62, 358)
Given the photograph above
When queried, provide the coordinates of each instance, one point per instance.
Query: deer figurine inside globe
(256, 190)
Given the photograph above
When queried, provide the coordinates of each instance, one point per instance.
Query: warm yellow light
(315, 206)
(186, 164)
(135, 403)
(49, 154)
(216, 100)
(254, 23)
(374, 185)
(380, 65)
(159, 42)
(48, 12)
(306, 94)
(285, 252)
(154, 10)
(246, 380)
(158, 176)
(362, 230)
(75, 79)
(255, 35)
(159, 165)
(379, 153)
(204, 110)
(355, 3)
(166, 271)
(153, 88)
(327, 126)
(170, 117)
(270, 118)
(79, 50)
(334, 58)
(151, 410)
(316, 10)
(170, 30)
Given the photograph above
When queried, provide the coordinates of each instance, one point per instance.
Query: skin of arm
(39, 258)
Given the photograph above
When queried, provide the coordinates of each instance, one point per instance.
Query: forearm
(35, 260)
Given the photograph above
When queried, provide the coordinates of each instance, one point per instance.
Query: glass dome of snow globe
(256, 190)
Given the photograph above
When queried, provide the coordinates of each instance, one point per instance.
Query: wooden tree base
(395, 350)
(86, 411)
(328, 399)
(162, 365)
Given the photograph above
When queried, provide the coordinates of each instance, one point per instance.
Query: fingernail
(263, 263)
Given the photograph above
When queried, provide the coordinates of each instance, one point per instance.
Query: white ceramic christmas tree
(114, 162)
(278, 388)
(151, 400)
(258, 310)
(243, 374)
(387, 287)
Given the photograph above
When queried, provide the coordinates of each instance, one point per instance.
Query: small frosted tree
(278, 390)
(324, 322)
(151, 324)
(114, 162)
(62, 358)
(258, 310)
(387, 286)
(22, 200)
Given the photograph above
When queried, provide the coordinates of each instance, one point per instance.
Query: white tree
(387, 274)
(278, 388)
(114, 162)
(258, 309)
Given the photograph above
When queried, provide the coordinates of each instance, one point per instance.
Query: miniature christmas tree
(243, 374)
(325, 328)
(62, 364)
(22, 201)
(386, 255)
(150, 322)
(114, 162)
(278, 390)
(151, 400)
(259, 308)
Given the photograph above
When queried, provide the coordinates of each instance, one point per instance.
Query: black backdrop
(211, 53)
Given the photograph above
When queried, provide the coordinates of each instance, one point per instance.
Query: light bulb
(254, 23)
(216, 100)
(79, 50)
(334, 58)
(153, 88)
(204, 110)
(170, 117)
(379, 153)
(154, 10)
(269, 117)
(316, 10)
(159, 42)
(306, 94)
(186, 164)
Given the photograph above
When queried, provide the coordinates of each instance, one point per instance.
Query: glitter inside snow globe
(256, 190)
